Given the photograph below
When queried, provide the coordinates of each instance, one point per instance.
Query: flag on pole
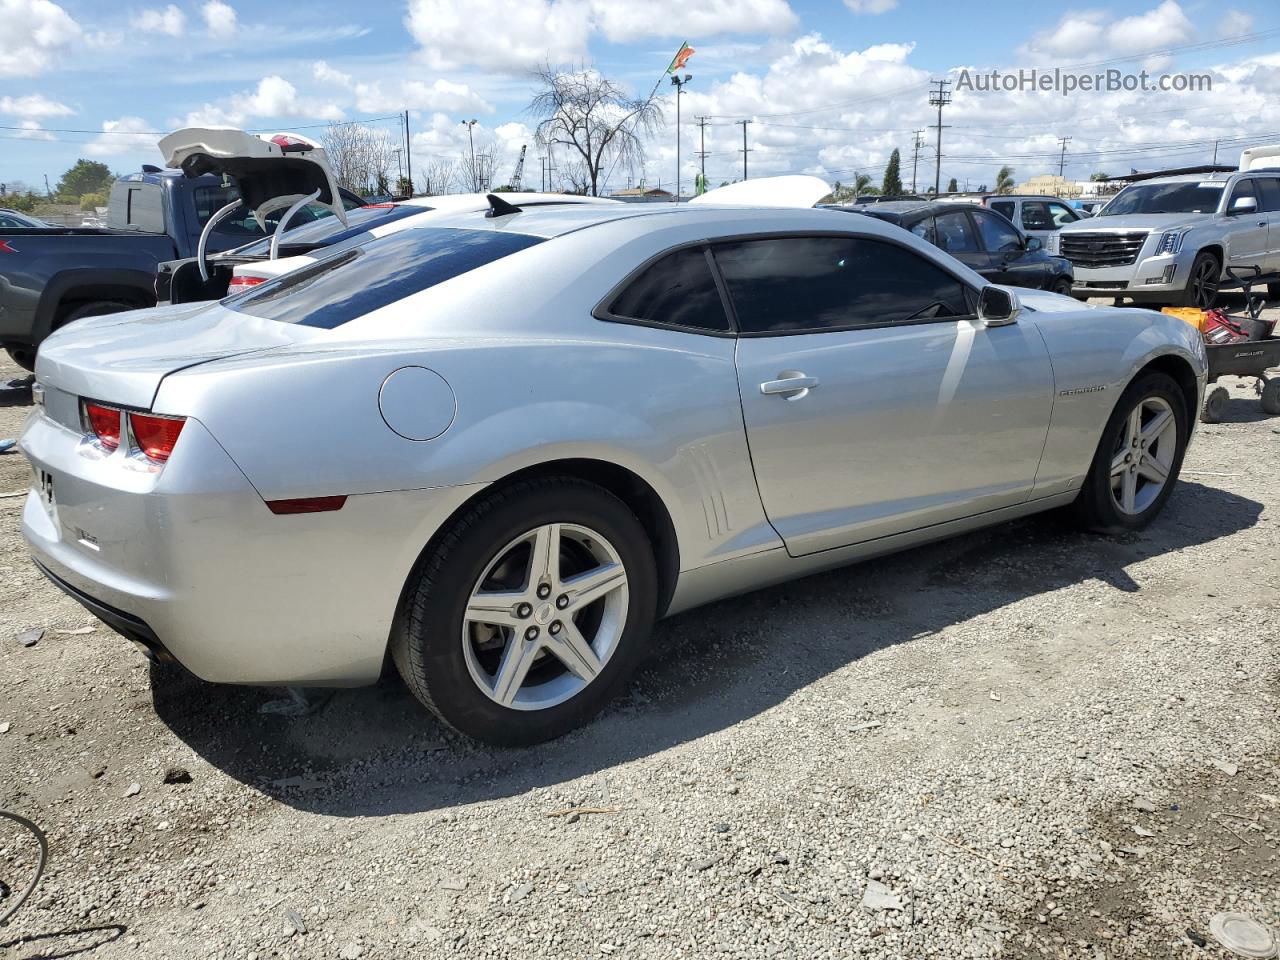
(681, 58)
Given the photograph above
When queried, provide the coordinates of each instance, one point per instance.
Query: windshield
(1188, 197)
(362, 279)
(330, 230)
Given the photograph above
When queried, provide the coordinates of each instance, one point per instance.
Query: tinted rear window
(357, 281)
(678, 291)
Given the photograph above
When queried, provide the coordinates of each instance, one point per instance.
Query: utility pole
(939, 98)
(915, 156)
(47, 191)
(1215, 152)
(475, 174)
(678, 83)
(1062, 161)
(745, 151)
(702, 151)
(408, 152)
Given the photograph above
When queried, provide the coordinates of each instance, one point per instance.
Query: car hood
(1134, 221)
(121, 358)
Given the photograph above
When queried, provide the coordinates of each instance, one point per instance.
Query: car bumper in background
(188, 561)
(1153, 278)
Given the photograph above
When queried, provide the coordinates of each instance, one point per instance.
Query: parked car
(494, 450)
(980, 239)
(1036, 216)
(1171, 239)
(13, 220)
(179, 281)
(50, 276)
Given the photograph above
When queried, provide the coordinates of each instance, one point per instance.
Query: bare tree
(475, 170)
(381, 153)
(344, 145)
(593, 118)
(442, 175)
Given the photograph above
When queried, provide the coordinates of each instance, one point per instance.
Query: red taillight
(155, 436)
(307, 505)
(239, 284)
(104, 423)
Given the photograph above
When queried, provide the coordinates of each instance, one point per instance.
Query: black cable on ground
(40, 864)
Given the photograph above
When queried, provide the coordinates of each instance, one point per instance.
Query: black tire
(426, 645)
(1063, 286)
(1202, 282)
(1273, 291)
(94, 308)
(1270, 398)
(25, 357)
(1094, 506)
(1215, 405)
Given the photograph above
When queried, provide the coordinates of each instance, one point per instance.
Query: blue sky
(832, 87)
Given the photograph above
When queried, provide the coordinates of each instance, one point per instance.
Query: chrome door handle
(791, 385)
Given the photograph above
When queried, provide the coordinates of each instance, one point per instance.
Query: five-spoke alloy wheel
(1139, 457)
(529, 611)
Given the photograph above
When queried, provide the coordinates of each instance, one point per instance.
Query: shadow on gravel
(374, 751)
(67, 943)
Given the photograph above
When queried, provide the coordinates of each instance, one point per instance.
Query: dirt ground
(1030, 741)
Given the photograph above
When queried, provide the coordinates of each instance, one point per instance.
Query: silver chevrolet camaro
(494, 450)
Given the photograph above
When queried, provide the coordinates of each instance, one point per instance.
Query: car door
(955, 233)
(1269, 203)
(874, 401)
(1007, 248)
(1248, 229)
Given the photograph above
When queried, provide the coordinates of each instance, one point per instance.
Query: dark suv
(983, 241)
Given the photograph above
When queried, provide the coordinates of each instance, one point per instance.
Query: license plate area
(44, 490)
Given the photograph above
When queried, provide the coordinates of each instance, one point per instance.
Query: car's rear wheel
(1138, 457)
(25, 357)
(1202, 282)
(529, 612)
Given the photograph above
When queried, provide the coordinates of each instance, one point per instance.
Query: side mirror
(998, 306)
(1244, 205)
(1034, 244)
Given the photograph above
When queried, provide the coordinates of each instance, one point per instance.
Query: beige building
(1049, 185)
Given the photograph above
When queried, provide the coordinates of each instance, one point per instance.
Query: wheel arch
(1183, 375)
(70, 288)
(625, 484)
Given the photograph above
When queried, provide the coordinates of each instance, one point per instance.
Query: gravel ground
(1024, 742)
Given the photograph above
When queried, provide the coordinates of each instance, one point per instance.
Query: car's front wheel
(1062, 286)
(530, 611)
(1138, 458)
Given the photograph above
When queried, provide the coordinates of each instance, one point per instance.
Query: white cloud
(273, 98)
(219, 19)
(1233, 23)
(499, 34)
(33, 131)
(35, 105)
(871, 6)
(620, 20)
(1090, 33)
(170, 20)
(327, 74)
(126, 135)
(419, 95)
(35, 32)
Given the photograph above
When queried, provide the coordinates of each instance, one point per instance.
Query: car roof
(1188, 178)
(905, 208)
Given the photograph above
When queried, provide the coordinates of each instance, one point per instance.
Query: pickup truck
(1172, 239)
(50, 276)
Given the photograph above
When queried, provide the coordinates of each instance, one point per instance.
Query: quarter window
(1269, 194)
(1004, 208)
(998, 234)
(677, 291)
(811, 284)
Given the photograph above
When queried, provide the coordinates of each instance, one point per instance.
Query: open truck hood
(789, 191)
(272, 172)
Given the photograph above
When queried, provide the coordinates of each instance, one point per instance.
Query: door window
(798, 284)
(1268, 194)
(924, 230)
(955, 233)
(998, 234)
(1036, 216)
(1242, 189)
(1062, 214)
(677, 291)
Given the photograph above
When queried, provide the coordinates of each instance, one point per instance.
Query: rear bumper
(189, 561)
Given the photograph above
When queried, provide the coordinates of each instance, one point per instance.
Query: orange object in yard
(1192, 315)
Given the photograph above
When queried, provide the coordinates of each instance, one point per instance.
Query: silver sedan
(494, 450)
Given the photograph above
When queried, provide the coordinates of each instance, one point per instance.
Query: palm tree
(1004, 180)
(862, 186)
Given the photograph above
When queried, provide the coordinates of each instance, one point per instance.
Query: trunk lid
(121, 358)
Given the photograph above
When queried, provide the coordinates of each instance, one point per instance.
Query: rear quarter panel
(1096, 353)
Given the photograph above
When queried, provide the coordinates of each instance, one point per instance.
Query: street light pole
(475, 179)
(679, 83)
